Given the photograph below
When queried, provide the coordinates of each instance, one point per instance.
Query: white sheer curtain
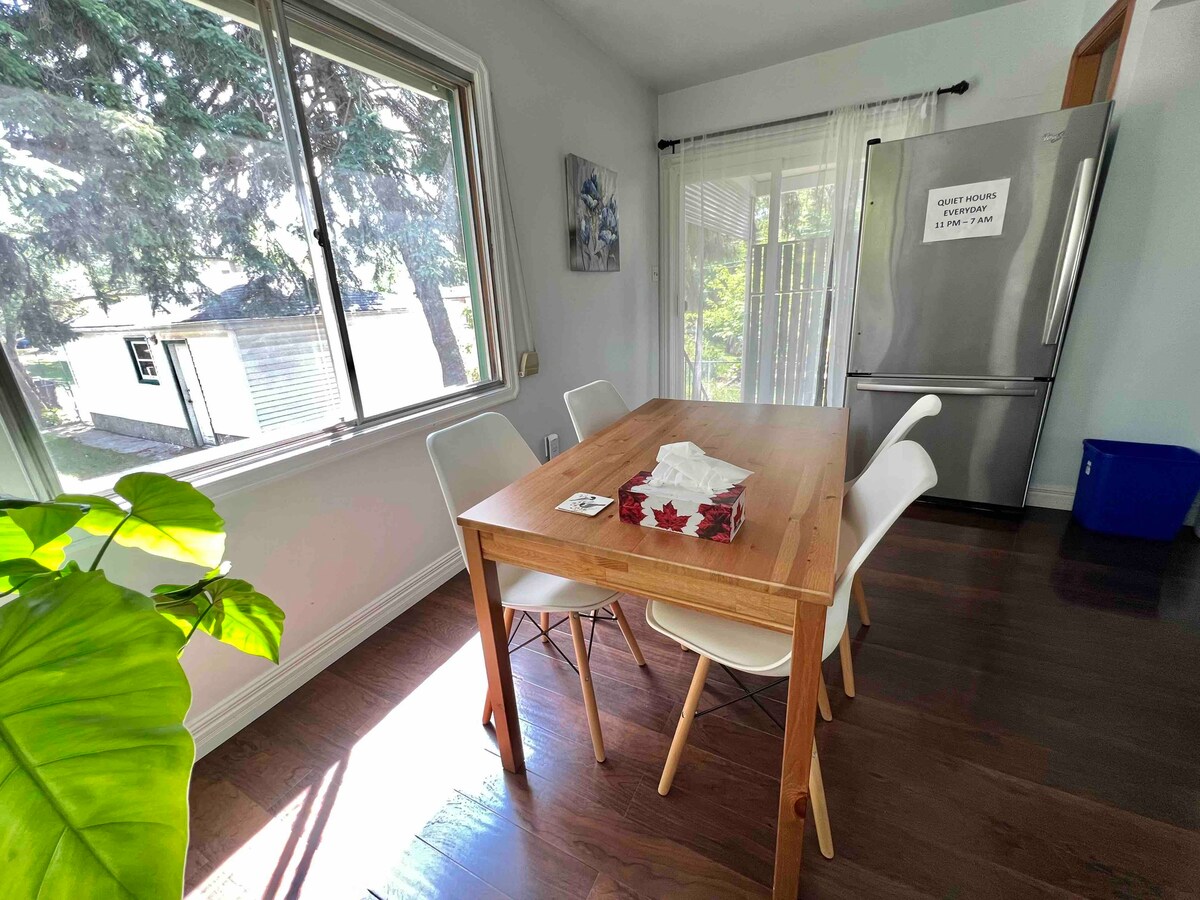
(849, 130)
(760, 241)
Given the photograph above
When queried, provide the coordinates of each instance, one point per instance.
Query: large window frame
(396, 38)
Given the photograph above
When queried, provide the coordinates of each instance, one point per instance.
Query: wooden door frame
(1112, 27)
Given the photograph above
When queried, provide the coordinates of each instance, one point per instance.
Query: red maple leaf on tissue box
(669, 519)
(632, 510)
(716, 524)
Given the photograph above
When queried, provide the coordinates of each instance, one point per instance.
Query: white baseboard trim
(216, 725)
(1051, 497)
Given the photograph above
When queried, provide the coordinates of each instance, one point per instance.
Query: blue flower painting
(592, 226)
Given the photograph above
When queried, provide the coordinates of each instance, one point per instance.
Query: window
(143, 360)
(290, 213)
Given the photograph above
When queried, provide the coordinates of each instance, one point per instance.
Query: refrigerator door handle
(945, 389)
(1067, 264)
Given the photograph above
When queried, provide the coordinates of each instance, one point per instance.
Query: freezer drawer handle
(1067, 265)
(928, 389)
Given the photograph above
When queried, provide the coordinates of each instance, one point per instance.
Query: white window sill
(241, 472)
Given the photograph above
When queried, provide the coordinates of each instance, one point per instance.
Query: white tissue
(686, 466)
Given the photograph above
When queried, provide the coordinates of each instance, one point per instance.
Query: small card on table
(584, 504)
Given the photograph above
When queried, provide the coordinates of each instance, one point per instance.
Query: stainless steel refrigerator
(971, 243)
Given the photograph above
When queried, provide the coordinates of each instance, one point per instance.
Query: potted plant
(94, 756)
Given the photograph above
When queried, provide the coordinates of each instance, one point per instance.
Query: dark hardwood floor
(1027, 725)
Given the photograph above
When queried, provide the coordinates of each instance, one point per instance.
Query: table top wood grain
(786, 550)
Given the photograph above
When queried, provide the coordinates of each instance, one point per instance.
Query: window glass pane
(387, 158)
(805, 212)
(805, 217)
(762, 216)
(144, 186)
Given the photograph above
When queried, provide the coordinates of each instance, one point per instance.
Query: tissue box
(713, 518)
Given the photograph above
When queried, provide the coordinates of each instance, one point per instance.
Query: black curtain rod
(961, 88)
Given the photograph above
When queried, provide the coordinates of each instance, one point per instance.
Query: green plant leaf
(94, 758)
(166, 517)
(103, 515)
(44, 522)
(183, 614)
(188, 591)
(15, 544)
(244, 618)
(16, 573)
(229, 609)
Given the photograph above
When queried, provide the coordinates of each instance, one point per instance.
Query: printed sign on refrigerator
(966, 211)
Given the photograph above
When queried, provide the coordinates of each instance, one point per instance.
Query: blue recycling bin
(1139, 490)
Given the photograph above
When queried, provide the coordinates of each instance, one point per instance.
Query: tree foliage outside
(140, 141)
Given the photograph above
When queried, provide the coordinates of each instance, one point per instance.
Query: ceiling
(672, 44)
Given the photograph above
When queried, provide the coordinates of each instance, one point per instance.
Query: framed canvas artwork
(593, 229)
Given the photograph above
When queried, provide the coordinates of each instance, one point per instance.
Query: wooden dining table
(778, 572)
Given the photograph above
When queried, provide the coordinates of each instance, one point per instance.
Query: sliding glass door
(750, 261)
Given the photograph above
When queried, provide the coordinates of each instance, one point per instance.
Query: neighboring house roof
(251, 300)
(257, 300)
(128, 314)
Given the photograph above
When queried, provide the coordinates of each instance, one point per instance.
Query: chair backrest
(476, 458)
(593, 407)
(929, 405)
(895, 478)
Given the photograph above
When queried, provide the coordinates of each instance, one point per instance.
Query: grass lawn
(57, 370)
(81, 461)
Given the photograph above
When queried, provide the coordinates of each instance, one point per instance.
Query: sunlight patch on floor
(350, 832)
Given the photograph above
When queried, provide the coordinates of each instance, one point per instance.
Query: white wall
(1015, 57)
(328, 541)
(1129, 368)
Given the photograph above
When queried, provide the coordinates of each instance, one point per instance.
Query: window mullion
(300, 157)
(488, 364)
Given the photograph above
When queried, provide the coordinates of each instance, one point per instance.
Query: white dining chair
(475, 459)
(926, 406)
(594, 407)
(899, 475)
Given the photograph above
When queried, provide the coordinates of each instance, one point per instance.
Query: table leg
(485, 588)
(807, 640)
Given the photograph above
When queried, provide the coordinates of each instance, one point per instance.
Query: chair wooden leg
(685, 725)
(487, 702)
(628, 632)
(823, 700)
(585, 682)
(545, 621)
(847, 663)
(860, 599)
(816, 801)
